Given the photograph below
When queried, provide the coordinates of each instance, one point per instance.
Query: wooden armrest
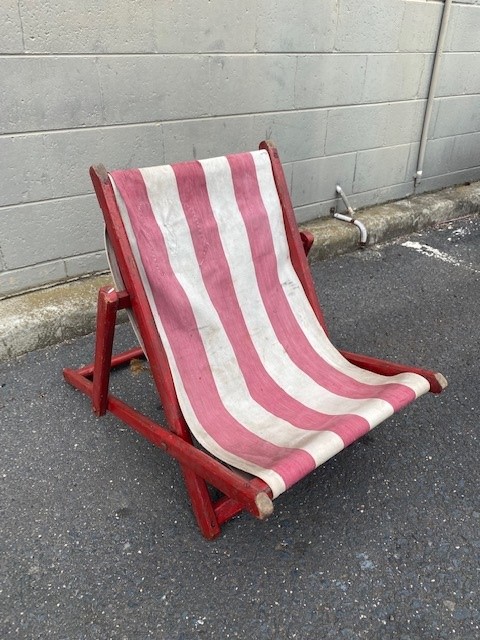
(437, 381)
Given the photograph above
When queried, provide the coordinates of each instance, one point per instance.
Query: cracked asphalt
(383, 541)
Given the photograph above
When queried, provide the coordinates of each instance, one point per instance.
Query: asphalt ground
(98, 541)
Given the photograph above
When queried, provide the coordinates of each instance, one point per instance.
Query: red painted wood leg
(106, 316)
(307, 241)
(202, 505)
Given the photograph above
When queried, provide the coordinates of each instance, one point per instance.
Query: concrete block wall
(340, 85)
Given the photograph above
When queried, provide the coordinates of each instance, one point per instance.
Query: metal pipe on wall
(432, 90)
(350, 218)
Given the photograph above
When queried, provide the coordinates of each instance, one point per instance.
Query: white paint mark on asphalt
(431, 252)
(461, 232)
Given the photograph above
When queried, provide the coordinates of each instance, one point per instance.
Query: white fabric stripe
(227, 374)
(273, 479)
(276, 361)
(297, 298)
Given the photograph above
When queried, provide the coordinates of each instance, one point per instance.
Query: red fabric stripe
(284, 323)
(182, 333)
(219, 284)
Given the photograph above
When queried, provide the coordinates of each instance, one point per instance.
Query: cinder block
(376, 125)
(77, 266)
(251, 84)
(381, 168)
(438, 157)
(459, 74)
(10, 27)
(49, 93)
(302, 26)
(328, 80)
(451, 155)
(354, 128)
(186, 27)
(420, 26)
(357, 127)
(88, 26)
(298, 134)
(315, 180)
(46, 231)
(24, 169)
(440, 182)
(464, 29)
(55, 165)
(466, 152)
(368, 26)
(397, 76)
(457, 115)
(404, 122)
(12, 282)
(313, 211)
(208, 137)
(153, 88)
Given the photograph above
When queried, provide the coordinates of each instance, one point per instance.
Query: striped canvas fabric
(260, 385)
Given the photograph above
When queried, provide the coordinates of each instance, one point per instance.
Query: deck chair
(208, 259)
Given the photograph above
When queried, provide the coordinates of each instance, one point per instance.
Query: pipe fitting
(360, 226)
(341, 193)
(350, 218)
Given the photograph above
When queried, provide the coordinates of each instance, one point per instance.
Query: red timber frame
(199, 469)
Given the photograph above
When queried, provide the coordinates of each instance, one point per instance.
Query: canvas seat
(208, 257)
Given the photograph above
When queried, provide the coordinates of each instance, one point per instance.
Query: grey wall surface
(339, 85)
